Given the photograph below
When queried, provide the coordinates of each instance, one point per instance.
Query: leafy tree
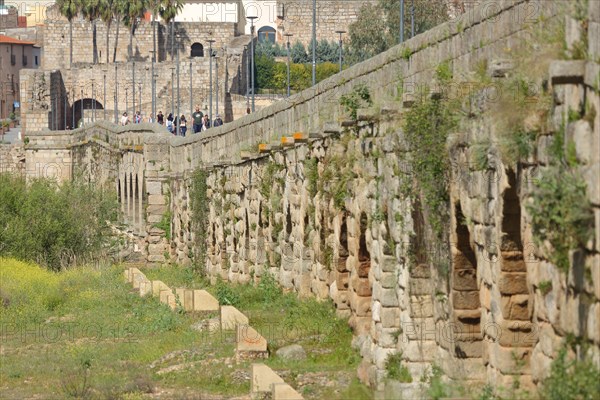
(69, 9)
(378, 25)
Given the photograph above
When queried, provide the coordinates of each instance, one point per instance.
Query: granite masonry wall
(324, 206)
(295, 17)
(56, 41)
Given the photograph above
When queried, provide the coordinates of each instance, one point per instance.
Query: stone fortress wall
(295, 17)
(491, 319)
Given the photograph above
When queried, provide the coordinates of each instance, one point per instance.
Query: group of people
(200, 121)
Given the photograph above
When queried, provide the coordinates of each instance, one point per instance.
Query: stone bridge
(324, 203)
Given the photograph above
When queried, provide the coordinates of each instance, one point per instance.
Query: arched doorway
(197, 50)
(266, 34)
(85, 111)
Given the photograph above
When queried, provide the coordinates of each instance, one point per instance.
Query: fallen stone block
(132, 271)
(188, 300)
(168, 297)
(250, 344)
(263, 379)
(287, 141)
(204, 301)
(157, 287)
(232, 317)
(138, 277)
(283, 391)
(127, 274)
(145, 288)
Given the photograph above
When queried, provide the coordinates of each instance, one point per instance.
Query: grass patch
(102, 340)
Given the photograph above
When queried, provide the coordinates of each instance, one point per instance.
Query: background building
(15, 55)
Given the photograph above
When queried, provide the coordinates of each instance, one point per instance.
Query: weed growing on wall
(200, 209)
(396, 370)
(358, 98)
(571, 379)
(560, 212)
(427, 125)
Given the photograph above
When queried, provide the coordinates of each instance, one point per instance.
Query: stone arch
(464, 290)
(197, 50)
(82, 110)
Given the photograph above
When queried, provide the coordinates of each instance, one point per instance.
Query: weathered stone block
(390, 317)
(145, 288)
(419, 286)
(263, 379)
(157, 287)
(513, 283)
(231, 317)
(283, 391)
(465, 280)
(204, 301)
(421, 306)
(249, 340)
(465, 300)
(138, 278)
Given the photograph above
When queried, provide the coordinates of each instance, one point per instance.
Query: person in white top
(124, 119)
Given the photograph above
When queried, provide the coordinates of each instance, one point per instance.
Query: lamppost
(314, 43)
(133, 86)
(191, 94)
(178, 38)
(140, 103)
(210, 88)
(252, 55)
(172, 90)
(247, 78)
(116, 97)
(73, 105)
(288, 36)
(217, 82)
(81, 106)
(341, 47)
(153, 52)
(104, 90)
(401, 21)
(412, 18)
(93, 101)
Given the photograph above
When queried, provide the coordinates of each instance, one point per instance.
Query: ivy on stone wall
(200, 209)
(427, 126)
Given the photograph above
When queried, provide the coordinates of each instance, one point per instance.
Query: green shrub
(359, 97)
(395, 369)
(55, 225)
(226, 295)
(560, 212)
(577, 380)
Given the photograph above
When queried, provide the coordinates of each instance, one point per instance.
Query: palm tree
(118, 11)
(91, 12)
(133, 9)
(69, 10)
(154, 6)
(107, 13)
(168, 12)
